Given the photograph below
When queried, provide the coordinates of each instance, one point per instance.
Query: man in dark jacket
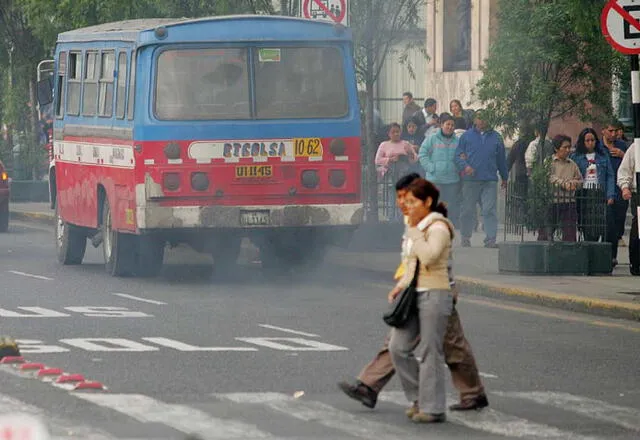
(616, 213)
(480, 156)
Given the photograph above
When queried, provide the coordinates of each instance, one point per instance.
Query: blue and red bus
(204, 131)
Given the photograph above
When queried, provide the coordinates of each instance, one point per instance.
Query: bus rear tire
(71, 241)
(150, 254)
(118, 249)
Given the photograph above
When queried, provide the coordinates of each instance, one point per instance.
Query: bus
(204, 132)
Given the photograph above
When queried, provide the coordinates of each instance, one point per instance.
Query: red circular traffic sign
(321, 5)
(619, 27)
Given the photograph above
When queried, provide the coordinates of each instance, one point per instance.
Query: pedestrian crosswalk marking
(626, 417)
(496, 422)
(59, 429)
(180, 417)
(317, 412)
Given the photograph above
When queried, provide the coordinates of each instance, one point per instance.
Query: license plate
(307, 147)
(253, 171)
(255, 218)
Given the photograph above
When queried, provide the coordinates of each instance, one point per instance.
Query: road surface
(246, 355)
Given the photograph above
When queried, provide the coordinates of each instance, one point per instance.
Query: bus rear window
(300, 82)
(202, 84)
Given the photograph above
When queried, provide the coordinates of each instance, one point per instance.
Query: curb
(599, 307)
(35, 217)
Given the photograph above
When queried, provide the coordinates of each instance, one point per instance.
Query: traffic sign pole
(635, 99)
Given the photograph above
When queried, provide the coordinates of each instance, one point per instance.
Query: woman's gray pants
(421, 368)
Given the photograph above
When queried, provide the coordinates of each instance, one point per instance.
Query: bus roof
(139, 30)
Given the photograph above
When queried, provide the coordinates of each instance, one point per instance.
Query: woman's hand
(610, 202)
(394, 292)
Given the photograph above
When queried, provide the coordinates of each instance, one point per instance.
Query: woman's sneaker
(421, 417)
(413, 410)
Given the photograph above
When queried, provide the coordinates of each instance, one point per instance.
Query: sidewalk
(32, 211)
(476, 270)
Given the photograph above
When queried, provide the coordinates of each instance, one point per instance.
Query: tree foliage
(548, 60)
(378, 26)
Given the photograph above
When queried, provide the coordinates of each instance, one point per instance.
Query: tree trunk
(371, 180)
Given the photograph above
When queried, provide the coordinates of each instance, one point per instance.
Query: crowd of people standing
(466, 158)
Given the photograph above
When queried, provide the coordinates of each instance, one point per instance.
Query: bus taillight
(337, 178)
(171, 181)
(199, 181)
(337, 147)
(310, 179)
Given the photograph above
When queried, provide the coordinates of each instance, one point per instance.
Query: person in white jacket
(627, 183)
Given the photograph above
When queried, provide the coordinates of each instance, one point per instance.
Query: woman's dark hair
(394, 125)
(580, 146)
(405, 181)
(422, 189)
(444, 117)
(457, 101)
(558, 140)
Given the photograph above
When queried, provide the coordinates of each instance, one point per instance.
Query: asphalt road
(223, 356)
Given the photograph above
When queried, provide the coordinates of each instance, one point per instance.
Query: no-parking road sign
(620, 21)
(334, 11)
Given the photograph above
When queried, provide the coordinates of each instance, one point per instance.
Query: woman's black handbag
(405, 304)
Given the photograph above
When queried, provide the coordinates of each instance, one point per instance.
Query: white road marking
(287, 330)
(58, 428)
(34, 346)
(596, 409)
(36, 312)
(300, 344)
(181, 346)
(137, 298)
(115, 344)
(487, 375)
(108, 312)
(30, 275)
(180, 417)
(496, 422)
(321, 413)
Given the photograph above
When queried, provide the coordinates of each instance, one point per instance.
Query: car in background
(4, 198)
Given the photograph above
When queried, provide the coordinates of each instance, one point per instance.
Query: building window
(74, 86)
(457, 35)
(105, 97)
(121, 93)
(90, 86)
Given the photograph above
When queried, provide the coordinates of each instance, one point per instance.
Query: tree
(378, 26)
(548, 60)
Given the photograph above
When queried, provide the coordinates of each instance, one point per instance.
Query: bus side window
(59, 93)
(122, 85)
(105, 97)
(132, 87)
(90, 85)
(74, 85)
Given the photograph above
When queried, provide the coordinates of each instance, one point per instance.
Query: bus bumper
(263, 216)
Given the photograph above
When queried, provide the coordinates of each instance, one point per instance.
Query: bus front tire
(71, 241)
(118, 249)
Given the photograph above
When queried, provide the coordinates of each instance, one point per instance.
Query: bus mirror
(45, 91)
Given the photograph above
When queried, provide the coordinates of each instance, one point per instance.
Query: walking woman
(421, 366)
